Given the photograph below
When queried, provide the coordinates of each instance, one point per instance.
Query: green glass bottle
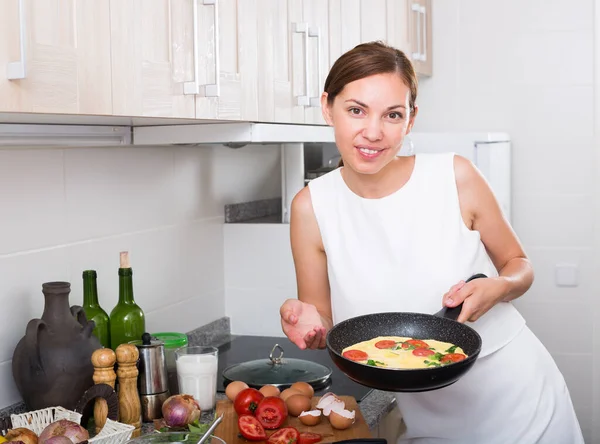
(92, 309)
(127, 320)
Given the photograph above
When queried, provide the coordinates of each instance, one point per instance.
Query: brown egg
(269, 390)
(310, 418)
(233, 388)
(297, 403)
(341, 420)
(304, 388)
(289, 392)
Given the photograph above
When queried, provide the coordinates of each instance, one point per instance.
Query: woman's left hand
(477, 296)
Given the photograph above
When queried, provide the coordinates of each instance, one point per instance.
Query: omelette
(404, 353)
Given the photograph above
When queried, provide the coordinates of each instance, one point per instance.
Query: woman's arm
(307, 319)
(481, 212)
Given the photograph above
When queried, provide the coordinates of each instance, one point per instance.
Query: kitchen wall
(527, 68)
(66, 210)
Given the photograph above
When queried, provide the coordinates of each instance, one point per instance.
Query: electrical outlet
(566, 275)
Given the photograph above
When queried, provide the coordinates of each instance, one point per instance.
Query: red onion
(22, 434)
(69, 429)
(180, 410)
(58, 440)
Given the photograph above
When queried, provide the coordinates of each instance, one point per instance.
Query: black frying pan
(441, 326)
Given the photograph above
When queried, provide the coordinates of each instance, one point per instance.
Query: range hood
(233, 135)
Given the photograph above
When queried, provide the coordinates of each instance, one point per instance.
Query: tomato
(246, 401)
(286, 435)
(385, 344)
(250, 428)
(416, 343)
(355, 355)
(271, 412)
(452, 357)
(423, 352)
(309, 438)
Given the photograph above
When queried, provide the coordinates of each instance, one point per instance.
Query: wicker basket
(113, 432)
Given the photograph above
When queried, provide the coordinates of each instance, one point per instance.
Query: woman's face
(370, 118)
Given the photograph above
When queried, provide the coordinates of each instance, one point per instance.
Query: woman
(388, 233)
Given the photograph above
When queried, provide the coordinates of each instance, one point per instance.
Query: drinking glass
(197, 374)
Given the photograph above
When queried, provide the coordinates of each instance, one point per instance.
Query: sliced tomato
(386, 343)
(286, 435)
(309, 438)
(251, 429)
(423, 352)
(452, 357)
(355, 355)
(271, 412)
(416, 343)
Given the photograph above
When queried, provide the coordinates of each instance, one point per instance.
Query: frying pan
(441, 326)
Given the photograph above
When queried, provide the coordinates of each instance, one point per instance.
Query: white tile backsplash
(111, 191)
(67, 210)
(32, 199)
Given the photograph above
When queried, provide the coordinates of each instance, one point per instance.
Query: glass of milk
(197, 374)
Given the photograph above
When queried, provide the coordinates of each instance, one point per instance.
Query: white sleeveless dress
(401, 253)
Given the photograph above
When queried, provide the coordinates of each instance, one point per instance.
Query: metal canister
(153, 384)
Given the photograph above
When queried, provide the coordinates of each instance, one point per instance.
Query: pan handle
(453, 312)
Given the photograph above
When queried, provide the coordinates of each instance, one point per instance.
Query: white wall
(259, 276)
(66, 210)
(526, 67)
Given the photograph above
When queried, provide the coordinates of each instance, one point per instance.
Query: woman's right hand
(302, 324)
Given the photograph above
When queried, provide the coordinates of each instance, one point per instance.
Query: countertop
(374, 407)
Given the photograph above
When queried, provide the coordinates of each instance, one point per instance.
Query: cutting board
(228, 429)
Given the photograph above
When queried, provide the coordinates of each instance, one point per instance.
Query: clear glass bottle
(92, 309)
(127, 320)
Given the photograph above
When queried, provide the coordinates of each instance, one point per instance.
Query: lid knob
(146, 338)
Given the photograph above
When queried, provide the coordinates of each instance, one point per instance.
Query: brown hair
(368, 59)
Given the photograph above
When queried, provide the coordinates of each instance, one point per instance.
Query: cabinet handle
(315, 32)
(423, 14)
(417, 9)
(16, 70)
(212, 89)
(302, 28)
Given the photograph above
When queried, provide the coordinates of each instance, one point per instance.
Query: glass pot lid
(277, 371)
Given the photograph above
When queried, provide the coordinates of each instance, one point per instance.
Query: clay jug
(52, 363)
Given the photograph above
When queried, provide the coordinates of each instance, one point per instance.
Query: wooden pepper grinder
(103, 361)
(130, 409)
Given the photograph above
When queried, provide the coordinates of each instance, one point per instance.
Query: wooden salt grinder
(103, 361)
(130, 408)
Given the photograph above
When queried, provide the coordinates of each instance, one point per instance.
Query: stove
(249, 348)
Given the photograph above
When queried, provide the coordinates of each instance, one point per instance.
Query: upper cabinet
(55, 56)
(151, 57)
(419, 31)
(249, 60)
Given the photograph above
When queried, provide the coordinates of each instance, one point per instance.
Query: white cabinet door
(373, 20)
(398, 33)
(55, 56)
(274, 78)
(344, 27)
(420, 36)
(226, 47)
(151, 57)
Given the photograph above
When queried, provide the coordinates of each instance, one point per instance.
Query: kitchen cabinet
(404, 24)
(419, 29)
(151, 57)
(294, 60)
(55, 56)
